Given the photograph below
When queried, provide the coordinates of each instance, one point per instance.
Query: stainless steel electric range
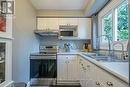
(43, 66)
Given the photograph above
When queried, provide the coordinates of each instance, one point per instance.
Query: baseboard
(28, 84)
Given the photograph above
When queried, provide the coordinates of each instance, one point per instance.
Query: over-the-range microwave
(68, 31)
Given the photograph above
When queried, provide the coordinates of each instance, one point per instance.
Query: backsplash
(49, 40)
(76, 45)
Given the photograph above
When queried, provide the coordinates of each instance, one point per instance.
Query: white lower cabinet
(93, 76)
(86, 73)
(67, 66)
(109, 80)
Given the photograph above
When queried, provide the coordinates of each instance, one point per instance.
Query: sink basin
(102, 58)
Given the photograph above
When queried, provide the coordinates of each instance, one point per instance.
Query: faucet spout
(109, 43)
(122, 46)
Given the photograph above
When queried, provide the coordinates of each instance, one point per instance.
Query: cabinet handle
(88, 65)
(109, 83)
(66, 61)
(84, 68)
(82, 64)
(97, 83)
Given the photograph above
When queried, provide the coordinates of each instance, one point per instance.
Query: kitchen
(73, 44)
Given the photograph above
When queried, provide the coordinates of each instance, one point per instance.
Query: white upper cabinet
(47, 24)
(84, 28)
(68, 21)
(84, 25)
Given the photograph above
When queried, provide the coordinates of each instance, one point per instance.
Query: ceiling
(60, 4)
(92, 6)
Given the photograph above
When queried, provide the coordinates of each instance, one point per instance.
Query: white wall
(24, 39)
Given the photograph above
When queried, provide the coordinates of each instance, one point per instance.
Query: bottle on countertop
(86, 47)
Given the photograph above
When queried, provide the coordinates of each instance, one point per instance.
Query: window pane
(122, 21)
(107, 27)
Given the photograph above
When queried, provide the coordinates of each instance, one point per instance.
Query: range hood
(46, 32)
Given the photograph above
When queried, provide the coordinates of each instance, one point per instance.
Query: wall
(24, 39)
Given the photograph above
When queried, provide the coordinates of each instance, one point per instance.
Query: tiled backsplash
(49, 40)
(76, 45)
(53, 40)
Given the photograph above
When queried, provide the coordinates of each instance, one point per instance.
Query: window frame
(106, 11)
(102, 25)
(116, 23)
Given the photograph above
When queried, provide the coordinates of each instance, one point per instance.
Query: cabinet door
(84, 28)
(61, 67)
(89, 77)
(42, 23)
(47, 24)
(53, 23)
(72, 67)
(110, 80)
(82, 72)
(68, 21)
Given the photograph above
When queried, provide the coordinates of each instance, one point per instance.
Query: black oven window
(66, 33)
(43, 68)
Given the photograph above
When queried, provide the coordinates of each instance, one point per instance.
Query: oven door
(43, 68)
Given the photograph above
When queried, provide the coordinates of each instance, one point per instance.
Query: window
(107, 27)
(121, 22)
(115, 24)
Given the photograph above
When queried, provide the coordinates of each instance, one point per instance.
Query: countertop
(118, 69)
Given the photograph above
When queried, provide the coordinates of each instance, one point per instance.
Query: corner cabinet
(67, 68)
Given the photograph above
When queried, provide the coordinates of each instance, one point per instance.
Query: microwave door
(66, 33)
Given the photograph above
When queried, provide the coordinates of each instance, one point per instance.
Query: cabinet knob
(88, 66)
(82, 64)
(109, 83)
(84, 68)
(97, 83)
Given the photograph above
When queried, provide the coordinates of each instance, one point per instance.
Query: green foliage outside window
(107, 26)
(122, 21)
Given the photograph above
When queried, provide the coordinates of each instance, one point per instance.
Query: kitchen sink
(103, 58)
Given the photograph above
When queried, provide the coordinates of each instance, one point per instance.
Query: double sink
(103, 58)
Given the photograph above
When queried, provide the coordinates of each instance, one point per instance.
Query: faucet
(123, 54)
(109, 45)
(67, 47)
